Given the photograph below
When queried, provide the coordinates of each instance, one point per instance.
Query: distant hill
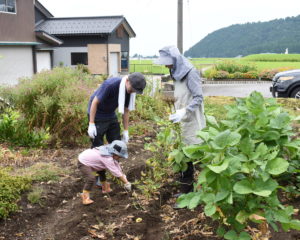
(250, 38)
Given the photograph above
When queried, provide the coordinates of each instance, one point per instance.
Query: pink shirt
(98, 162)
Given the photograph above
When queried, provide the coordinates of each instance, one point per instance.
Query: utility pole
(180, 26)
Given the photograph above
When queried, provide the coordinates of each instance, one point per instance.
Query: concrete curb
(236, 82)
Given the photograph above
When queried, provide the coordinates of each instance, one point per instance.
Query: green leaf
(258, 187)
(242, 216)
(247, 146)
(244, 236)
(280, 121)
(202, 176)
(203, 135)
(273, 154)
(230, 198)
(234, 166)
(209, 198)
(243, 187)
(220, 168)
(184, 199)
(271, 135)
(221, 231)
(229, 124)
(212, 121)
(262, 149)
(226, 138)
(178, 157)
(212, 131)
(231, 235)
(211, 176)
(210, 209)
(264, 176)
(194, 202)
(176, 167)
(277, 166)
(264, 189)
(281, 216)
(222, 195)
(295, 224)
(194, 151)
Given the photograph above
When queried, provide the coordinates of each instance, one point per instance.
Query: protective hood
(181, 66)
(104, 150)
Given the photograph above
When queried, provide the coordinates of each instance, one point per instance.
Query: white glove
(128, 186)
(125, 137)
(178, 115)
(92, 131)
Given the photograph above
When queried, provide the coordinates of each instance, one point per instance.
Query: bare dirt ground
(118, 215)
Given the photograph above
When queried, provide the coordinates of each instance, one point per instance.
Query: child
(102, 158)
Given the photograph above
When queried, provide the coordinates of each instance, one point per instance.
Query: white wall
(63, 54)
(15, 62)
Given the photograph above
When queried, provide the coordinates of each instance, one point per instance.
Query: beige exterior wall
(19, 26)
(97, 58)
(116, 48)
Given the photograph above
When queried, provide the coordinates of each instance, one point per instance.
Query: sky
(155, 21)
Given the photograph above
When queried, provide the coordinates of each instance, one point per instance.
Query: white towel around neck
(121, 99)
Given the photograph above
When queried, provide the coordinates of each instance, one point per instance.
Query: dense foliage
(14, 129)
(250, 38)
(55, 101)
(10, 189)
(231, 70)
(242, 159)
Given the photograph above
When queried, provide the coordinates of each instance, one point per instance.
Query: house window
(8, 6)
(124, 61)
(79, 58)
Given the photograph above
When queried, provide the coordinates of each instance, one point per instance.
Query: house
(101, 43)
(32, 39)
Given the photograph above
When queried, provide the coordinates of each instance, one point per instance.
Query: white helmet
(119, 148)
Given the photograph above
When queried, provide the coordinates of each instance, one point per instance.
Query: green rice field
(261, 61)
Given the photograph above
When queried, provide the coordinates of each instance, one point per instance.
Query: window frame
(87, 59)
(123, 59)
(15, 3)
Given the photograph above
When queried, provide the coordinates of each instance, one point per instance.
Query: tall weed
(55, 100)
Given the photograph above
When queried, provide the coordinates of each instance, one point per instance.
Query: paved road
(236, 90)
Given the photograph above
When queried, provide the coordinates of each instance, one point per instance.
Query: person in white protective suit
(189, 103)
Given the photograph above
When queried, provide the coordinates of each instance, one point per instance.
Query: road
(236, 90)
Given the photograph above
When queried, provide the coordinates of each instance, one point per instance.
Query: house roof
(48, 38)
(44, 10)
(84, 25)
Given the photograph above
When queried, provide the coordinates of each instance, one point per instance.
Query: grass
(273, 57)
(42, 172)
(148, 67)
(214, 106)
(35, 196)
(261, 61)
(272, 65)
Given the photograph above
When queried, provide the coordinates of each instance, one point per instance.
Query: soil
(118, 215)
